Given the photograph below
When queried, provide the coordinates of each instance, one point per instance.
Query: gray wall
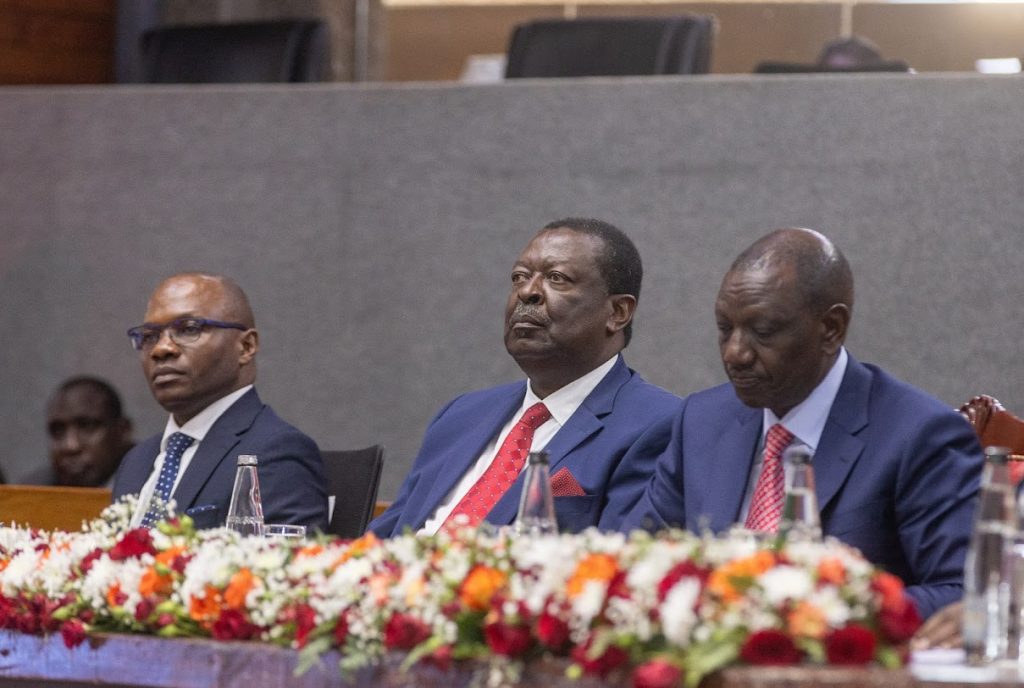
(374, 228)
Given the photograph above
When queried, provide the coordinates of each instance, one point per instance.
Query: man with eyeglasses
(198, 348)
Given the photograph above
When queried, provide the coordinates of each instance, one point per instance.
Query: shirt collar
(807, 419)
(563, 403)
(200, 424)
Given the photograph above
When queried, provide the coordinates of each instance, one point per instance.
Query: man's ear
(835, 322)
(249, 344)
(623, 308)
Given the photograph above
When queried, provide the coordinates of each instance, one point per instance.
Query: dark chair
(611, 47)
(997, 427)
(253, 52)
(353, 477)
(799, 68)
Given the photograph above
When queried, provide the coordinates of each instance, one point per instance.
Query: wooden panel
(432, 43)
(56, 41)
(51, 508)
(749, 33)
(943, 37)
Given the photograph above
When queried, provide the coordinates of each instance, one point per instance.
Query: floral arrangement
(668, 609)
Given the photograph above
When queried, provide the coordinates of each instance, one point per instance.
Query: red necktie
(769, 493)
(504, 469)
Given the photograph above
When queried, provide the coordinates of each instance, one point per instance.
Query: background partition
(374, 228)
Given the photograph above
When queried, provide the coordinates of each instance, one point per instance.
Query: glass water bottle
(986, 590)
(536, 503)
(245, 515)
(800, 517)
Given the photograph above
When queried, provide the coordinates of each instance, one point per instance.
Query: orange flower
(357, 547)
(480, 585)
(731, 579)
(806, 620)
(4, 563)
(205, 609)
(238, 587)
(891, 589)
(153, 583)
(114, 592)
(593, 567)
(167, 557)
(831, 570)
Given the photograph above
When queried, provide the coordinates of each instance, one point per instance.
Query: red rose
(88, 559)
(305, 622)
(510, 640)
(899, 625)
(165, 619)
(232, 625)
(440, 658)
(144, 608)
(851, 645)
(341, 631)
(552, 631)
(612, 658)
(404, 632)
(73, 633)
(684, 569)
(770, 647)
(133, 545)
(657, 673)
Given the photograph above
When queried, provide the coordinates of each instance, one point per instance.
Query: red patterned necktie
(769, 493)
(503, 471)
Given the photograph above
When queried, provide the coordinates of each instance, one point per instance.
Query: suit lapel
(465, 448)
(136, 473)
(731, 459)
(839, 447)
(587, 420)
(216, 447)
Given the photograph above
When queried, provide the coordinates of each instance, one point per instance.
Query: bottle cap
(246, 459)
(798, 455)
(538, 458)
(999, 455)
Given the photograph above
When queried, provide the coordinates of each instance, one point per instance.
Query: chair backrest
(353, 477)
(51, 508)
(801, 68)
(997, 427)
(252, 52)
(613, 46)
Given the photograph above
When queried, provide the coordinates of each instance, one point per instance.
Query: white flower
(677, 611)
(785, 583)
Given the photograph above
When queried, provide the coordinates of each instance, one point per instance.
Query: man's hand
(942, 629)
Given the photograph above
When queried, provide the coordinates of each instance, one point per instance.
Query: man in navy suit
(569, 313)
(198, 349)
(896, 470)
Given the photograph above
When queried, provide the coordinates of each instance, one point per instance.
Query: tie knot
(778, 438)
(178, 442)
(535, 416)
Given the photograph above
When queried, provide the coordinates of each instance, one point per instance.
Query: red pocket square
(563, 484)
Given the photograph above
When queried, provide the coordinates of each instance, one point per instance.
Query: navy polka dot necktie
(176, 446)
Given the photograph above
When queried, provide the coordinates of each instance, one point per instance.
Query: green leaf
(889, 657)
(309, 656)
(708, 657)
(814, 650)
(420, 651)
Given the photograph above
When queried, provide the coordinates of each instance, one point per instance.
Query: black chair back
(294, 50)
(611, 46)
(798, 68)
(353, 477)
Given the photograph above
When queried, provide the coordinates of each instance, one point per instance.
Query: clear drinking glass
(536, 503)
(284, 531)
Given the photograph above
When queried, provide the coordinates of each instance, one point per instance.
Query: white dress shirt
(561, 404)
(196, 427)
(806, 421)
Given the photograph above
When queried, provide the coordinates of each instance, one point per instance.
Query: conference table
(123, 661)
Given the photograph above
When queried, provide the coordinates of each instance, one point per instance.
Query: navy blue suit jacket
(609, 445)
(290, 469)
(896, 475)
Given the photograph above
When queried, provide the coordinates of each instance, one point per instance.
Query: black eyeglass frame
(136, 334)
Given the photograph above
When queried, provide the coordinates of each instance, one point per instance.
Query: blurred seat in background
(353, 477)
(616, 46)
(296, 50)
(999, 428)
(850, 54)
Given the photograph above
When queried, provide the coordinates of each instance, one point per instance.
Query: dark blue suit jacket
(896, 476)
(290, 469)
(609, 445)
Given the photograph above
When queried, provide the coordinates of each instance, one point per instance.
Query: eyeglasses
(181, 331)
